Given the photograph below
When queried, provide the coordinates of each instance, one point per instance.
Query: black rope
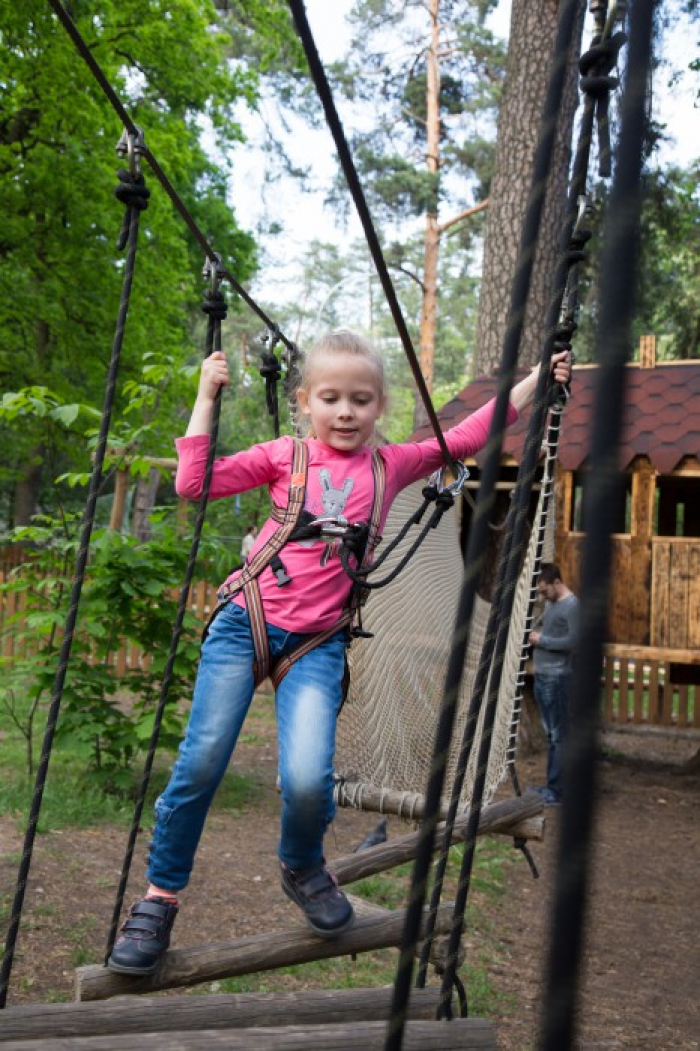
(214, 306)
(344, 155)
(561, 325)
(479, 532)
(131, 192)
(443, 500)
(604, 484)
(114, 100)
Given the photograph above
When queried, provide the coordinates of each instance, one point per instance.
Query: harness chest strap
(247, 580)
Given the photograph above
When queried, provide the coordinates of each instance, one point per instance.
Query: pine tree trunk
(532, 36)
(431, 252)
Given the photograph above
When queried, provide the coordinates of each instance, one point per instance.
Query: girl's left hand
(561, 366)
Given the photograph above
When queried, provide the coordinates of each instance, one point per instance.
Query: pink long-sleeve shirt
(338, 483)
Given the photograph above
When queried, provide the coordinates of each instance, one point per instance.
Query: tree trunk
(28, 483)
(431, 252)
(144, 499)
(532, 36)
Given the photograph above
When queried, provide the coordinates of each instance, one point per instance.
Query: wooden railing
(639, 687)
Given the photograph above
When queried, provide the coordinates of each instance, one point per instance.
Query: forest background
(223, 95)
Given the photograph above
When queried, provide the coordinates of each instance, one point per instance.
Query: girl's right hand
(214, 374)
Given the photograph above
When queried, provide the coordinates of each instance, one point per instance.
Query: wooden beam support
(259, 952)
(513, 817)
(653, 653)
(183, 1013)
(461, 1034)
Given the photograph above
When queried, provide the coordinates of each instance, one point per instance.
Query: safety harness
(290, 528)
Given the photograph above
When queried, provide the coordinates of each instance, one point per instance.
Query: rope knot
(214, 304)
(270, 368)
(132, 190)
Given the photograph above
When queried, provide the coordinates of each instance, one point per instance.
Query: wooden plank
(682, 717)
(472, 1034)
(653, 687)
(694, 598)
(638, 712)
(619, 605)
(653, 653)
(622, 691)
(182, 1013)
(667, 699)
(696, 706)
(260, 952)
(609, 693)
(678, 596)
(660, 569)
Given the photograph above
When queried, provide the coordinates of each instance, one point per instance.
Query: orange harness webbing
(248, 584)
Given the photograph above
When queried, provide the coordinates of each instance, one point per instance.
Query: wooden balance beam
(217, 1011)
(472, 1034)
(259, 952)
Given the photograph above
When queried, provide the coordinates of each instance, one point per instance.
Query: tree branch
(462, 215)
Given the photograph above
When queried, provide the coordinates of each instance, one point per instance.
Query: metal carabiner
(455, 487)
(131, 147)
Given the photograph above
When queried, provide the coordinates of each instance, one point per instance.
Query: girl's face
(343, 400)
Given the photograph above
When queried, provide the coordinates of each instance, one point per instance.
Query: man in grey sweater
(553, 648)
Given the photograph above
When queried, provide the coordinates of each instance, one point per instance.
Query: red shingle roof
(661, 420)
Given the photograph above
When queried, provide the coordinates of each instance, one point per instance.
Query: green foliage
(668, 288)
(60, 276)
(129, 599)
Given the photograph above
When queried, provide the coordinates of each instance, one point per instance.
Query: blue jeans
(307, 704)
(551, 695)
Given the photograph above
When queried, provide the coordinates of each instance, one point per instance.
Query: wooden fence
(640, 684)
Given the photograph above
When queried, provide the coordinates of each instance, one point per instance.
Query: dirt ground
(642, 960)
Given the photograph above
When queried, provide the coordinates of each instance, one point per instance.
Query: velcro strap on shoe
(316, 882)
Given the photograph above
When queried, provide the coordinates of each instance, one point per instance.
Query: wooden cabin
(654, 616)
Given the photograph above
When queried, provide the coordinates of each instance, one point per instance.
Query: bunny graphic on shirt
(333, 501)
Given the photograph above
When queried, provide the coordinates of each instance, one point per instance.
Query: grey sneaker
(328, 912)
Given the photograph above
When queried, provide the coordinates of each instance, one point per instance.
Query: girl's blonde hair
(343, 341)
(339, 341)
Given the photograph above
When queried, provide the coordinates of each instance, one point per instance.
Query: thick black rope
(214, 306)
(344, 155)
(87, 55)
(131, 192)
(560, 330)
(603, 487)
(479, 532)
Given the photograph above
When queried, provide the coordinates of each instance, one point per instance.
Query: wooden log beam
(509, 818)
(142, 1014)
(397, 851)
(461, 1034)
(259, 952)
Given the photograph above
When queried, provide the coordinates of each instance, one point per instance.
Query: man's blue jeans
(307, 703)
(551, 695)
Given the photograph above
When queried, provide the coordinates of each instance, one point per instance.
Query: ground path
(642, 966)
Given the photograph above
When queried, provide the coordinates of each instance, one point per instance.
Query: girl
(298, 602)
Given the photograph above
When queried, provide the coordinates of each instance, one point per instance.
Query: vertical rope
(479, 532)
(215, 307)
(601, 492)
(133, 213)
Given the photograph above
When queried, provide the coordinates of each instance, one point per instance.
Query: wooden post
(121, 488)
(638, 586)
(647, 352)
